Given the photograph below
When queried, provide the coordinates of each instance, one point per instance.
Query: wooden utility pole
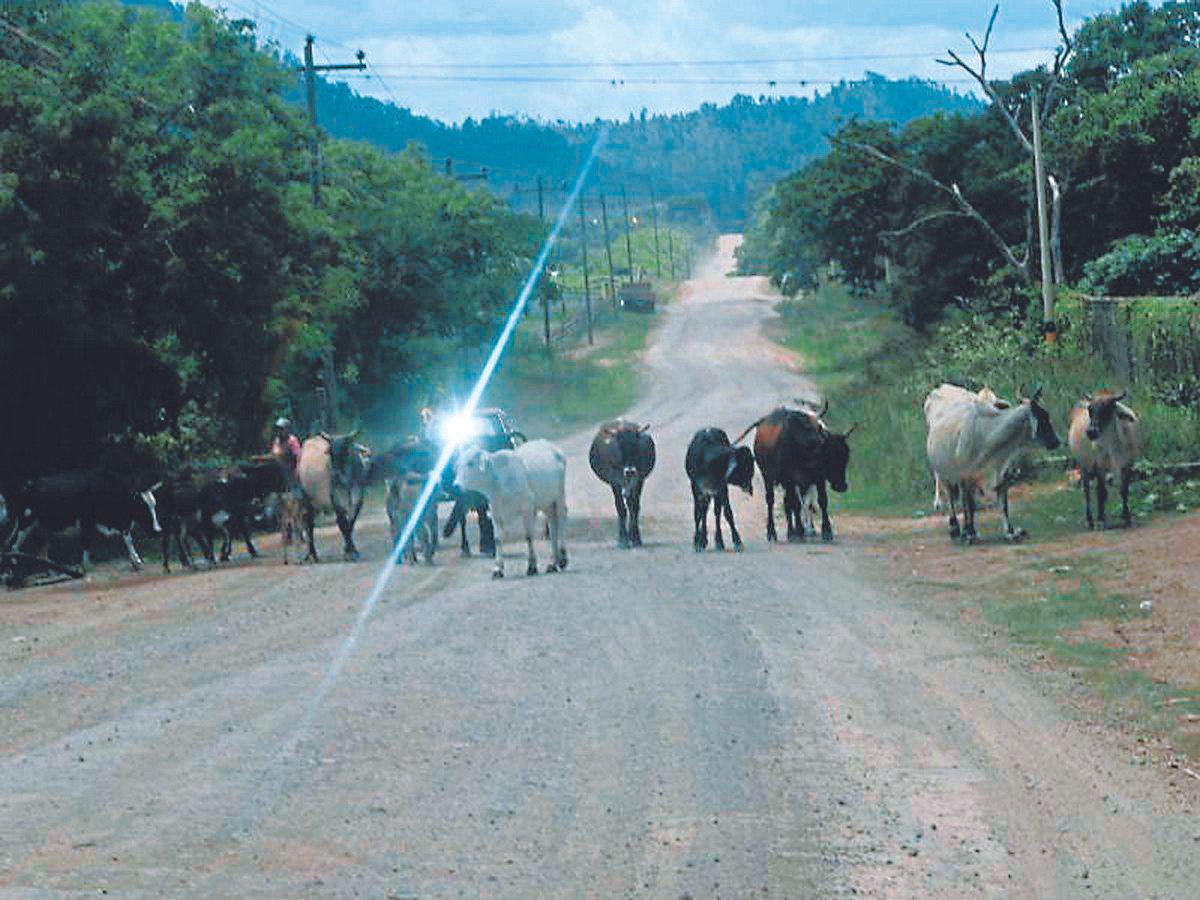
(310, 71)
(654, 218)
(310, 76)
(628, 241)
(1039, 174)
(671, 251)
(587, 289)
(541, 199)
(612, 286)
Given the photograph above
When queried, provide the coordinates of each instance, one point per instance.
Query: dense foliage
(1122, 144)
(163, 271)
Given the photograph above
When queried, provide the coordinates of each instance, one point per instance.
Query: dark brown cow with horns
(622, 456)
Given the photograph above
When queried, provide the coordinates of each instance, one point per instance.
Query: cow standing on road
(712, 464)
(795, 450)
(92, 500)
(1103, 435)
(333, 473)
(622, 456)
(518, 484)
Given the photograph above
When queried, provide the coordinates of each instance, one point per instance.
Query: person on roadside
(285, 445)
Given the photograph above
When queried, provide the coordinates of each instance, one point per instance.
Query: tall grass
(877, 372)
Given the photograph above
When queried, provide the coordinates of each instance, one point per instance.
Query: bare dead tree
(952, 191)
(1062, 55)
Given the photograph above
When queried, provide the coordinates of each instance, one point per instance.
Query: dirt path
(651, 723)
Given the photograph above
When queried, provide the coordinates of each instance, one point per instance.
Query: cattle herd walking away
(975, 442)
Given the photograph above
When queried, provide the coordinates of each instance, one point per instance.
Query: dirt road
(652, 722)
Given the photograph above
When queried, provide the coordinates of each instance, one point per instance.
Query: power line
(619, 82)
(676, 63)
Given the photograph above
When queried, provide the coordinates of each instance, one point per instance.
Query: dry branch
(956, 195)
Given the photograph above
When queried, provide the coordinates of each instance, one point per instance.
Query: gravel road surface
(651, 723)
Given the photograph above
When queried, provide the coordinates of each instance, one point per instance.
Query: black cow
(794, 449)
(712, 464)
(622, 456)
(92, 500)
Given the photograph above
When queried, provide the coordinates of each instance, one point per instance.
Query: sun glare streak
(463, 415)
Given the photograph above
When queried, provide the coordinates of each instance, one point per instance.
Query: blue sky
(894, 38)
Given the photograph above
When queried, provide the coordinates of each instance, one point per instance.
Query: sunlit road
(652, 722)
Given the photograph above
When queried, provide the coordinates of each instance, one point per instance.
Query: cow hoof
(623, 543)
(1016, 535)
(738, 546)
(1091, 526)
(351, 556)
(827, 536)
(531, 571)
(720, 545)
(551, 569)
(497, 574)
(465, 553)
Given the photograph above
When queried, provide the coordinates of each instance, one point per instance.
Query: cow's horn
(824, 409)
(355, 433)
(1121, 396)
(1087, 398)
(154, 487)
(644, 428)
(1036, 393)
(325, 435)
(850, 430)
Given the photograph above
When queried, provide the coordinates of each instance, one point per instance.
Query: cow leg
(557, 521)
(310, 521)
(1085, 482)
(823, 501)
(622, 512)
(1010, 533)
(1102, 497)
(487, 531)
(346, 527)
(733, 532)
(168, 529)
(498, 570)
(970, 534)
(953, 493)
(772, 537)
(1126, 477)
(790, 513)
(244, 527)
(717, 501)
(135, 558)
(528, 521)
(699, 519)
(635, 513)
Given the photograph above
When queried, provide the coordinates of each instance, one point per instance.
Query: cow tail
(749, 428)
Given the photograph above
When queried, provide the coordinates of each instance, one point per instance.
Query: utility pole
(612, 287)
(587, 290)
(671, 251)
(310, 75)
(310, 70)
(1039, 173)
(654, 218)
(542, 282)
(628, 242)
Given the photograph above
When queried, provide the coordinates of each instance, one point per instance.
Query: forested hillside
(726, 154)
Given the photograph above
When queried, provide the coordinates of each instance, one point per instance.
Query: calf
(92, 500)
(712, 464)
(518, 484)
(622, 456)
(402, 493)
(1104, 438)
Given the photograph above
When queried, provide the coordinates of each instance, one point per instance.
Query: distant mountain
(719, 155)
(726, 153)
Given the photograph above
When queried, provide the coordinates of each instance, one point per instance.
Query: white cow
(518, 484)
(1103, 435)
(972, 445)
(944, 397)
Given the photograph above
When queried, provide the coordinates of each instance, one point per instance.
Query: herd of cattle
(974, 442)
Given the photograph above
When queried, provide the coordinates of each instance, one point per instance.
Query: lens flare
(466, 413)
(458, 428)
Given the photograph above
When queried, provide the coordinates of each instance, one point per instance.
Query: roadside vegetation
(908, 258)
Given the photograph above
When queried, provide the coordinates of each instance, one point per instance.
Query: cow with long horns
(622, 456)
(333, 473)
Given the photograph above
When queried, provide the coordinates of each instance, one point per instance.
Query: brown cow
(795, 450)
(622, 456)
(1103, 435)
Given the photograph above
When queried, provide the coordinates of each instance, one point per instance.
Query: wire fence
(1143, 338)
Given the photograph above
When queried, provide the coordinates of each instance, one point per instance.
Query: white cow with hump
(519, 484)
(973, 445)
(945, 397)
